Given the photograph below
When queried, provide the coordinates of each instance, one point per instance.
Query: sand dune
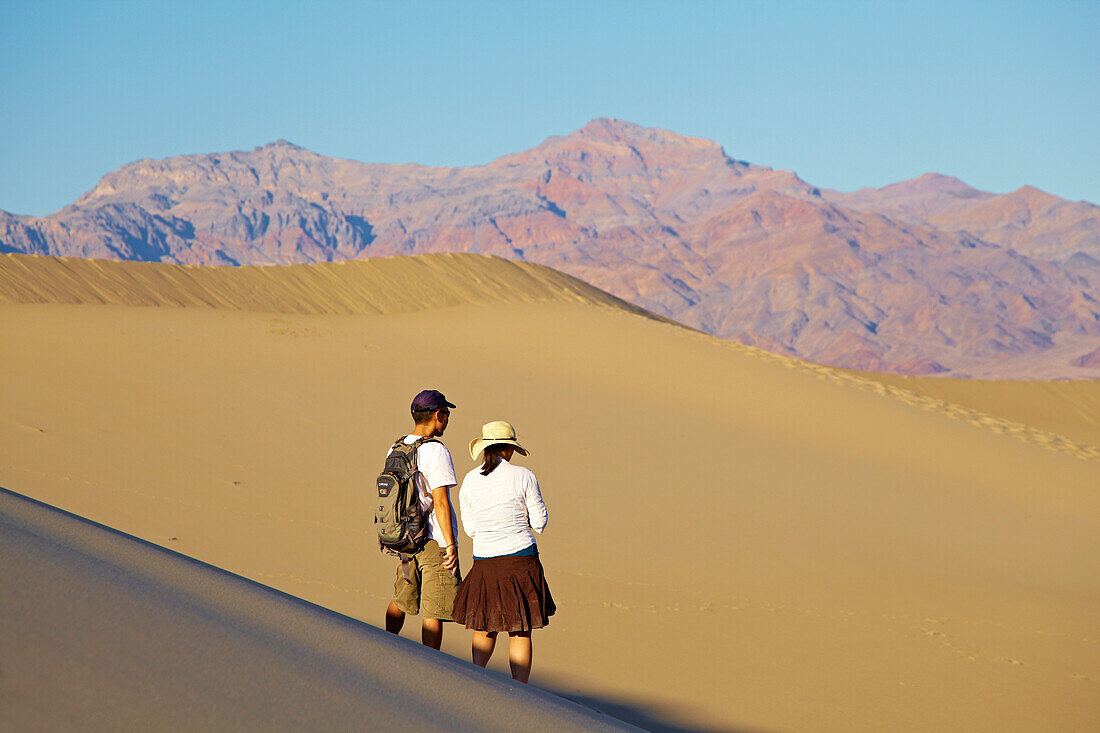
(104, 632)
(1060, 414)
(374, 286)
(1069, 408)
(736, 539)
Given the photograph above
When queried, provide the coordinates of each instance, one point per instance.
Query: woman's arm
(536, 507)
(468, 524)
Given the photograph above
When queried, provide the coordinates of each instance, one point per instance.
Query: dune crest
(376, 286)
(925, 394)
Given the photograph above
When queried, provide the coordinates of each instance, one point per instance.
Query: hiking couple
(505, 590)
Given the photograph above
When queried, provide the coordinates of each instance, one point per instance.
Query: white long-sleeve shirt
(500, 510)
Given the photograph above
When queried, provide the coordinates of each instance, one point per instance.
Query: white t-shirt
(434, 469)
(500, 510)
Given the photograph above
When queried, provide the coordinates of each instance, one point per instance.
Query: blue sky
(1000, 94)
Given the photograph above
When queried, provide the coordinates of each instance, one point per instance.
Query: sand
(1070, 408)
(117, 634)
(736, 540)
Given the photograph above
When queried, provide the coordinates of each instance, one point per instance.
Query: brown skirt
(504, 594)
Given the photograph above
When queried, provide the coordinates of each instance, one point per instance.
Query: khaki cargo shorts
(424, 587)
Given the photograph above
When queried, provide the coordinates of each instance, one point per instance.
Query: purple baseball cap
(429, 399)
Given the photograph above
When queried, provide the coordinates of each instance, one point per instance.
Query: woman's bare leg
(483, 644)
(519, 655)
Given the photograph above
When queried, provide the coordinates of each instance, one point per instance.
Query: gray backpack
(402, 526)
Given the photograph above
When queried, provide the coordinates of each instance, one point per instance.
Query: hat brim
(478, 446)
(433, 408)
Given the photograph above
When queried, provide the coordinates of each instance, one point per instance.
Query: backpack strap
(416, 445)
(412, 448)
(400, 442)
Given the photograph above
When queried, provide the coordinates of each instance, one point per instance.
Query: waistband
(529, 551)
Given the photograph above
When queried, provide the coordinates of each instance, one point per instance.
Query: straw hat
(497, 432)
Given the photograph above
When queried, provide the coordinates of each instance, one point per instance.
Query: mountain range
(927, 276)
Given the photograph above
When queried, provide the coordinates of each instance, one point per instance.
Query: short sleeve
(433, 460)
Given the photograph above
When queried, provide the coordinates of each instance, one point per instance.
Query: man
(428, 580)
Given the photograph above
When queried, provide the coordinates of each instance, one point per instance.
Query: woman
(505, 589)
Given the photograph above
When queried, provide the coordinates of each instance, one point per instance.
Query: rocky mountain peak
(279, 144)
(622, 148)
(607, 129)
(930, 182)
(1034, 196)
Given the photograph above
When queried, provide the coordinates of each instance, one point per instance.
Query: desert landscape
(928, 276)
(738, 539)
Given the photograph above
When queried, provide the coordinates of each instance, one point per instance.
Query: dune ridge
(377, 286)
(912, 396)
(402, 284)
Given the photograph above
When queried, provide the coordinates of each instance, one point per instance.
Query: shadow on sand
(648, 715)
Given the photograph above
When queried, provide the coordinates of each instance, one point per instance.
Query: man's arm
(441, 498)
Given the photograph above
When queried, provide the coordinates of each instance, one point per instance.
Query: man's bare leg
(431, 632)
(395, 618)
(519, 655)
(483, 644)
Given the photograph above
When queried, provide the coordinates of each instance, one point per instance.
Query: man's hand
(441, 500)
(450, 559)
